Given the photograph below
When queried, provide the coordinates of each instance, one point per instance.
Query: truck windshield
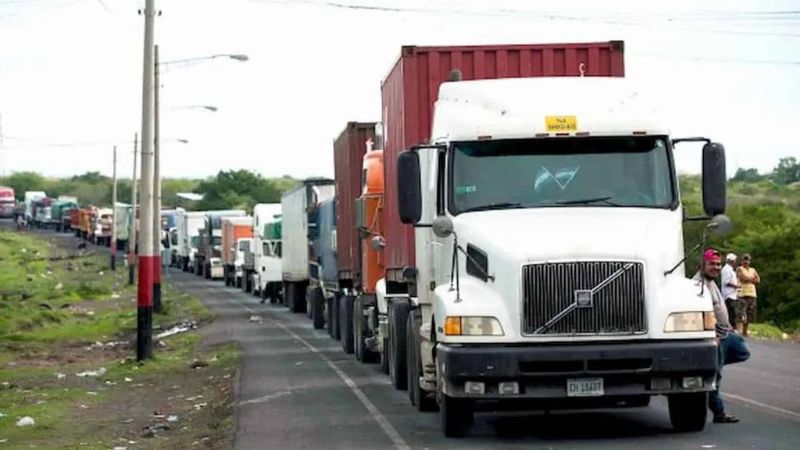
(564, 172)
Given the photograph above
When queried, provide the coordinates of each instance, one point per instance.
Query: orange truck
(237, 233)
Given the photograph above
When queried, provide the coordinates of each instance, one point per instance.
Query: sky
(71, 74)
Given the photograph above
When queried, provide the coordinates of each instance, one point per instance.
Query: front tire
(687, 412)
(416, 395)
(346, 323)
(398, 316)
(318, 308)
(334, 324)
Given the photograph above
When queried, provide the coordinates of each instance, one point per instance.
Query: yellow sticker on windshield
(560, 124)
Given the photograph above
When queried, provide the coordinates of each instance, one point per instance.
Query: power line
(507, 12)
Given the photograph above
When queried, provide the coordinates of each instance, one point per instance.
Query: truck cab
(210, 242)
(266, 264)
(243, 246)
(547, 222)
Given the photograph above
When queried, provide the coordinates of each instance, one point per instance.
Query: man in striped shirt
(731, 346)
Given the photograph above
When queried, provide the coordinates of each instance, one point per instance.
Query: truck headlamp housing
(690, 321)
(472, 326)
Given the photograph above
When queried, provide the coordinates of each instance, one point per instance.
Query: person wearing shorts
(747, 303)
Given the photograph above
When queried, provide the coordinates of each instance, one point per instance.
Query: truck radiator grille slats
(549, 290)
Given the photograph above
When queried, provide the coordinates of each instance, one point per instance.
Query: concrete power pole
(114, 214)
(156, 188)
(144, 335)
(132, 221)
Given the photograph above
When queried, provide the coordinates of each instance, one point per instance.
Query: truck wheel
(336, 332)
(329, 316)
(274, 292)
(297, 298)
(687, 412)
(358, 340)
(455, 415)
(288, 293)
(346, 323)
(398, 316)
(418, 396)
(317, 308)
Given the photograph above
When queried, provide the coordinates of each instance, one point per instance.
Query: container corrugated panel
(348, 153)
(412, 86)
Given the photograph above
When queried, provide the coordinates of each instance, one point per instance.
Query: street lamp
(178, 63)
(156, 219)
(206, 107)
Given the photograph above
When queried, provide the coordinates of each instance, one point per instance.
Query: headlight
(472, 326)
(690, 321)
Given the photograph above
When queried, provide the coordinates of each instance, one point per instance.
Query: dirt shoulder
(67, 329)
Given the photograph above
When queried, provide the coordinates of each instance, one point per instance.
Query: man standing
(748, 278)
(730, 287)
(731, 347)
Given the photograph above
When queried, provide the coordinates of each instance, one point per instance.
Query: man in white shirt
(730, 286)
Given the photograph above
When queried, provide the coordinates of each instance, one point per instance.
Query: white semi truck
(549, 245)
(267, 250)
(188, 225)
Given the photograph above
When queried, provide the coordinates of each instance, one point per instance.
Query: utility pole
(132, 222)
(114, 214)
(156, 188)
(144, 334)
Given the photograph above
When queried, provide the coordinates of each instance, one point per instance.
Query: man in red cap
(731, 347)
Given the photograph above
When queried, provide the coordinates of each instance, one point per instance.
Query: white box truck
(298, 208)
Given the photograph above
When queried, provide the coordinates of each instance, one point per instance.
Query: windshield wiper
(588, 201)
(500, 205)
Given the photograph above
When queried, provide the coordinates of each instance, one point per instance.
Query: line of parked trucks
(509, 236)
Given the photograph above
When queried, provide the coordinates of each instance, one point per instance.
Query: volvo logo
(584, 298)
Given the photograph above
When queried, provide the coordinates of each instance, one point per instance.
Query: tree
(747, 175)
(239, 189)
(24, 181)
(91, 178)
(787, 171)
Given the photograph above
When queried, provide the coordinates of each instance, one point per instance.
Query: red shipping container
(348, 154)
(411, 89)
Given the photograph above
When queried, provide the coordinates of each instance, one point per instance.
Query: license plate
(585, 387)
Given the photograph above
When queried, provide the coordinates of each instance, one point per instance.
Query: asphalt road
(298, 390)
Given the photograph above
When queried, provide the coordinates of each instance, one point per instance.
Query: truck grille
(550, 289)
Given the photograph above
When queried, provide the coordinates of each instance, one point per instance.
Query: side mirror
(442, 226)
(409, 194)
(714, 181)
(720, 225)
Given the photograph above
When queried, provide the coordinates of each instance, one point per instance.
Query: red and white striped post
(156, 188)
(132, 239)
(114, 214)
(144, 334)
